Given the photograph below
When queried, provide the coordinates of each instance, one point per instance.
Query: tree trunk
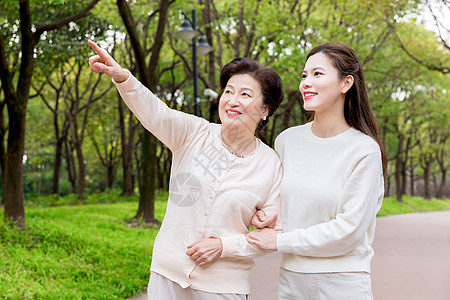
(127, 149)
(292, 98)
(404, 164)
(241, 30)
(411, 176)
(442, 158)
(426, 178)
(160, 168)
(13, 179)
(60, 139)
(110, 174)
(441, 191)
(71, 170)
(81, 171)
(399, 169)
(164, 162)
(2, 144)
(146, 209)
(387, 192)
(57, 167)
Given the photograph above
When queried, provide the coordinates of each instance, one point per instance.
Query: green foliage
(77, 252)
(408, 99)
(411, 205)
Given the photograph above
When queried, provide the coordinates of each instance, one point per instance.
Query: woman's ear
(347, 83)
(266, 110)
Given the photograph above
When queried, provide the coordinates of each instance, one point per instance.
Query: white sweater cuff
(229, 246)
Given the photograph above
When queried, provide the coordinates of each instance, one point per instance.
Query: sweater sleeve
(358, 205)
(170, 126)
(238, 246)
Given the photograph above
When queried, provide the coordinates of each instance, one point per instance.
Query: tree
(3, 130)
(147, 76)
(16, 101)
(80, 99)
(439, 10)
(56, 84)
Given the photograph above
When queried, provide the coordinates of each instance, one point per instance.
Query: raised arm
(174, 128)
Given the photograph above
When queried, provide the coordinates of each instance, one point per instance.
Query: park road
(411, 262)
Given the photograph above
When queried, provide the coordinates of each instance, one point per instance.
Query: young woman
(221, 174)
(332, 185)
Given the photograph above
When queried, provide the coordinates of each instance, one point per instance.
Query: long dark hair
(270, 81)
(357, 110)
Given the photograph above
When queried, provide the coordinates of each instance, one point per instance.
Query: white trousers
(324, 286)
(161, 288)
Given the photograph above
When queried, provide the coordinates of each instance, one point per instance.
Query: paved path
(412, 260)
(412, 257)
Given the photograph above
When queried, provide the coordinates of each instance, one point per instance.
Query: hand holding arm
(265, 239)
(205, 251)
(103, 62)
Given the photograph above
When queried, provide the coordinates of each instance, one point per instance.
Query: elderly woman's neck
(238, 140)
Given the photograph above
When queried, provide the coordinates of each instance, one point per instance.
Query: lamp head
(203, 47)
(186, 32)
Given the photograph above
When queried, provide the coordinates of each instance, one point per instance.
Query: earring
(264, 117)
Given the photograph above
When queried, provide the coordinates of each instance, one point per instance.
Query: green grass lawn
(76, 252)
(88, 252)
(411, 205)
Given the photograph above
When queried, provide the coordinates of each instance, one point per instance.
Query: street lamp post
(189, 32)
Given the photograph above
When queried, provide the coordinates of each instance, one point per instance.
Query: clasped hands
(263, 235)
(208, 250)
(205, 251)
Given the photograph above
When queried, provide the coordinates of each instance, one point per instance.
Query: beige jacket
(212, 194)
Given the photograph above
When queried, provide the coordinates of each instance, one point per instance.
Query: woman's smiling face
(241, 104)
(321, 87)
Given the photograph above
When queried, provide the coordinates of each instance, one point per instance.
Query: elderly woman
(221, 175)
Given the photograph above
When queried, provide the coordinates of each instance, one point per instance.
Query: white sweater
(212, 193)
(332, 189)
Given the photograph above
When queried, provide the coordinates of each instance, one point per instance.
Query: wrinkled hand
(103, 62)
(205, 251)
(260, 220)
(265, 239)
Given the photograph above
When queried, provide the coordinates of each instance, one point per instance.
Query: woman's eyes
(317, 73)
(243, 94)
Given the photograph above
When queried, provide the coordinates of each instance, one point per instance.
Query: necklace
(236, 154)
